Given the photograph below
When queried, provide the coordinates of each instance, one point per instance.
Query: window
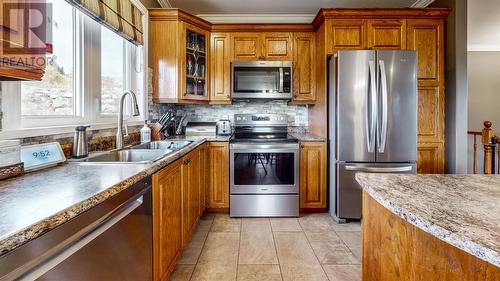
(112, 71)
(54, 95)
(85, 76)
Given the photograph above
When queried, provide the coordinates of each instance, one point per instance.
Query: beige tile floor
(312, 247)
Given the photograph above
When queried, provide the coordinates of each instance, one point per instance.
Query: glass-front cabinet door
(195, 86)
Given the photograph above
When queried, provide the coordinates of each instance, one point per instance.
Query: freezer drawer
(348, 191)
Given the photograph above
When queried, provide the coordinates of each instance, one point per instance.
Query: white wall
(484, 69)
(484, 96)
(484, 25)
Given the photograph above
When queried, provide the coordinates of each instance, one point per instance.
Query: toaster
(223, 127)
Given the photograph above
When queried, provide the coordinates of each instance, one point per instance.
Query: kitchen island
(431, 227)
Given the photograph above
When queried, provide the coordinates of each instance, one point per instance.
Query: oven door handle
(254, 147)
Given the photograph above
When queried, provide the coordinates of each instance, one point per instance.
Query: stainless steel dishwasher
(112, 241)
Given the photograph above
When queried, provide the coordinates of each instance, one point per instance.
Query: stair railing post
(487, 135)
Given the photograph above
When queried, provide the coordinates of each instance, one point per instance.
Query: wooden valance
(120, 16)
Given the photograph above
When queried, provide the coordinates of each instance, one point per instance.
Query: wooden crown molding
(382, 13)
(257, 18)
(323, 14)
(178, 14)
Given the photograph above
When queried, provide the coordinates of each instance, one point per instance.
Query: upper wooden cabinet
(220, 69)
(313, 168)
(304, 67)
(218, 165)
(246, 46)
(346, 35)
(426, 36)
(277, 46)
(261, 46)
(179, 60)
(167, 219)
(386, 34)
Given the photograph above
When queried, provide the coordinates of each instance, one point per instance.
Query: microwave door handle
(281, 80)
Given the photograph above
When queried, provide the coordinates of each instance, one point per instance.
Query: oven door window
(264, 168)
(256, 79)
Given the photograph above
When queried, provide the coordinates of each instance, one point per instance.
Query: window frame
(87, 86)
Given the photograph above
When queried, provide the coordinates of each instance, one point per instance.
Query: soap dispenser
(145, 133)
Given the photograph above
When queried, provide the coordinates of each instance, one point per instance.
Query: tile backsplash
(297, 114)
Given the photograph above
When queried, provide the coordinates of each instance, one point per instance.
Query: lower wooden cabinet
(313, 169)
(167, 219)
(191, 183)
(218, 165)
(430, 158)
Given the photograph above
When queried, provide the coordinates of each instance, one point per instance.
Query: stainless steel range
(264, 167)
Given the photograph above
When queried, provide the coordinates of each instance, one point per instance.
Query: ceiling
(281, 6)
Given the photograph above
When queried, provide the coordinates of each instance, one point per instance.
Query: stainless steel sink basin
(128, 156)
(162, 145)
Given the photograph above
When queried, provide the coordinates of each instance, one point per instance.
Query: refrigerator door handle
(379, 170)
(372, 120)
(383, 84)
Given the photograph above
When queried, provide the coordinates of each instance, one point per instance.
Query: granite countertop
(462, 210)
(37, 202)
(308, 137)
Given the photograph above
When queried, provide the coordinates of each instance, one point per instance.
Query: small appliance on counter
(223, 127)
(201, 129)
(80, 143)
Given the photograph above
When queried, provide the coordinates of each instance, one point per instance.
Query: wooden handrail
(489, 141)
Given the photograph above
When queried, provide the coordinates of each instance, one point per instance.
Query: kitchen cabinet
(19, 66)
(220, 69)
(313, 168)
(346, 34)
(304, 67)
(218, 165)
(180, 61)
(191, 182)
(430, 158)
(277, 46)
(167, 219)
(386, 34)
(203, 177)
(246, 46)
(261, 45)
(426, 36)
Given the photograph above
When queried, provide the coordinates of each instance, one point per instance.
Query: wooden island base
(394, 249)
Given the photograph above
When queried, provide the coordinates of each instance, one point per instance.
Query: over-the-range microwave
(261, 80)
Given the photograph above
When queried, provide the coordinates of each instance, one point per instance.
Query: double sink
(144, 153)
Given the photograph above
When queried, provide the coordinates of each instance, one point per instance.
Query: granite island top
(462, 210)
(37, 202)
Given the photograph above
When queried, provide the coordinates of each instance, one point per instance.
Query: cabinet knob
(295, 96)
(228, 96)
(302, 146)
(185, 93)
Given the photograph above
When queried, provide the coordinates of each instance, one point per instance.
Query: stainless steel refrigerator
(372, 126)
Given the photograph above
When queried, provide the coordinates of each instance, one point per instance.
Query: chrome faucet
(135, 112)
